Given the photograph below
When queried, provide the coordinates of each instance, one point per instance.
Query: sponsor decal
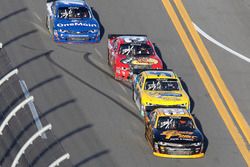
(181, 135)
(76, 24)
(129, 39)
(169, 94)
(166, 96)
(160, 73)
(144, 61)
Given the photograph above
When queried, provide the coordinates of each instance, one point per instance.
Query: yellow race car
(159, 88)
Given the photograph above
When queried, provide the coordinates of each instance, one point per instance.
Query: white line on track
(43, 30)
(99, 64)
(101, 56)
(123, 88)
(128, 103)
(37, 16)
(32, 107)
(208, 37)
(99, 53)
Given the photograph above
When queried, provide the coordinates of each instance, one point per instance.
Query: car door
(138, 89)
(150, 126)
(50, 17)
(113, 52)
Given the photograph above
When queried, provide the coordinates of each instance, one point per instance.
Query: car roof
(151, 74)
(71, 2)
(172, 112)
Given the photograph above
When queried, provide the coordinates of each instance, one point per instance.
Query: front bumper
(200, 155)
(175, 150)
(178, 151)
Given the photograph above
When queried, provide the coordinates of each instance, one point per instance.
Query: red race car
(131, 54)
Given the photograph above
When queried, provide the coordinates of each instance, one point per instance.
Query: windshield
(73, 12)
(175, 123)
(162, 85)
(136, 49)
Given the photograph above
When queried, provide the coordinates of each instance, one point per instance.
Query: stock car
(172, 133)
(72, 21)
(159, 88)
(131, 54)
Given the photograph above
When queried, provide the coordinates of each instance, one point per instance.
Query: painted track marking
(208, 37)
(238, 139)
(99, 53)
(32, 108)
(243, 124)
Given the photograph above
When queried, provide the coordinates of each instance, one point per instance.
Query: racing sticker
(181, 135)
(162, 95)
(76, 24)
(129, 39)
(164, 73)
(144, 61)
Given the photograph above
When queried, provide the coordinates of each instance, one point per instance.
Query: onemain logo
(76, 24)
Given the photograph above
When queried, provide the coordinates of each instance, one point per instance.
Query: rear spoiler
(142, 70)
(151, 108)
(112, 36)
(138, 71)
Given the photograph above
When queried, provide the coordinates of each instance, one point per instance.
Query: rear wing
(138, 71)
(112, 36)
(151, 108)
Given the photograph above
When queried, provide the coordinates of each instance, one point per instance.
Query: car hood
(140, 61)
(176, 136)
(76, 24)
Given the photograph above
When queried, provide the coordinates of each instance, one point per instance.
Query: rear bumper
(67, 38)
(123, 75)
(200, 155)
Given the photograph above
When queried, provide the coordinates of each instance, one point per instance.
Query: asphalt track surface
(93, 116)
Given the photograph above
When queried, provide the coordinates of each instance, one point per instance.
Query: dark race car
(131, 54)
(172, 133)
(72, 21)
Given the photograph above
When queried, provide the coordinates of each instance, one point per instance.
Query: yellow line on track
(238, 139)
(214, 71)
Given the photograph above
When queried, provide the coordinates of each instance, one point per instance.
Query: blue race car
(72, 21)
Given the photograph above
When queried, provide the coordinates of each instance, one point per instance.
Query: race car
(131, 54)
(72, 21)
(172, 133)
(159, 88)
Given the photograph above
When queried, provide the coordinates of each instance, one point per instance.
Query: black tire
(133, 94)
(46, 22)
(108, 57)
(140, 108)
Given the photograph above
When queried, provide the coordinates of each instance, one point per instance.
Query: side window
(152, 118)
(141, 82)
(137, 79)
(53, 9)
(115, 45)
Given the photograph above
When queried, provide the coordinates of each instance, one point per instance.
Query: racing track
(92, 115)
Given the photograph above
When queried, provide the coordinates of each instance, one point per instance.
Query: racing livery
(172, 133)
(131, 54)
(159, 88)
(72, 21)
